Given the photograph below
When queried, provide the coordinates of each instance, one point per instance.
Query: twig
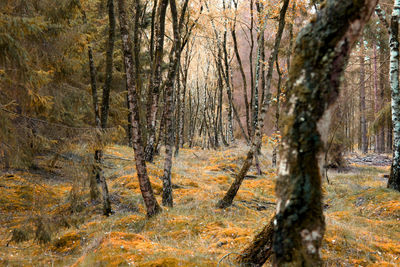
(226, 256)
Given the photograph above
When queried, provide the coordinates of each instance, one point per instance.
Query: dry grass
(362, 216)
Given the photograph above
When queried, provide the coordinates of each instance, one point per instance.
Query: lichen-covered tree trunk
(150, 201)
(173, 68)
(94, 190)
(277, 112)
(394, 178)
(321, 52)
(226, 73)
(260, 47)
(230, 109)
(182, 117)
(257, 138)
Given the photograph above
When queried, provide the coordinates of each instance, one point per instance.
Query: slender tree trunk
(130, 133)
(257, 138)
(193, 122)
(382, 76)
(253, 92)
(226, 74)
(255, 107)
(94, 190)
(105, 105)
(277, 113)
(394, 178)
(313, 87)
(95, 176)
(177, 103)
(244, 81)
(150, 201)
(260, 49)
(219, 106)
(382, 86)
(185, 72)
(363, 121)
(376, 100)
(152, 29)
(290, 47)
(155, 79)
(173, 68)
(230, 111)
(161, 129)
(389, 142)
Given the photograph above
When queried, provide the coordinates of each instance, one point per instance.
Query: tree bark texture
(94, 190)
(321, 52)
(155, 79)
(173, 68)
(394, 178)
(150, 201)
(260, 248)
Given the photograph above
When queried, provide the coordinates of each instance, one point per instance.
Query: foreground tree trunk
(321, 52)
(260, 249)
(150, 201)
(394, 178)
(298, 227)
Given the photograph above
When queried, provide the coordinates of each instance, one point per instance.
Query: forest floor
(48, 212)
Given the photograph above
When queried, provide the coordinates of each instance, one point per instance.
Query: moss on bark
(321, 52)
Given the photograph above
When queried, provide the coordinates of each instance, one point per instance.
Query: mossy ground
(362, 216)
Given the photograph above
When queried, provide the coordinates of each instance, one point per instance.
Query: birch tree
(394, 178)
(393, 29)
(150, 201)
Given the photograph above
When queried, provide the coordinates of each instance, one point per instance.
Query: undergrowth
(41, 227)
